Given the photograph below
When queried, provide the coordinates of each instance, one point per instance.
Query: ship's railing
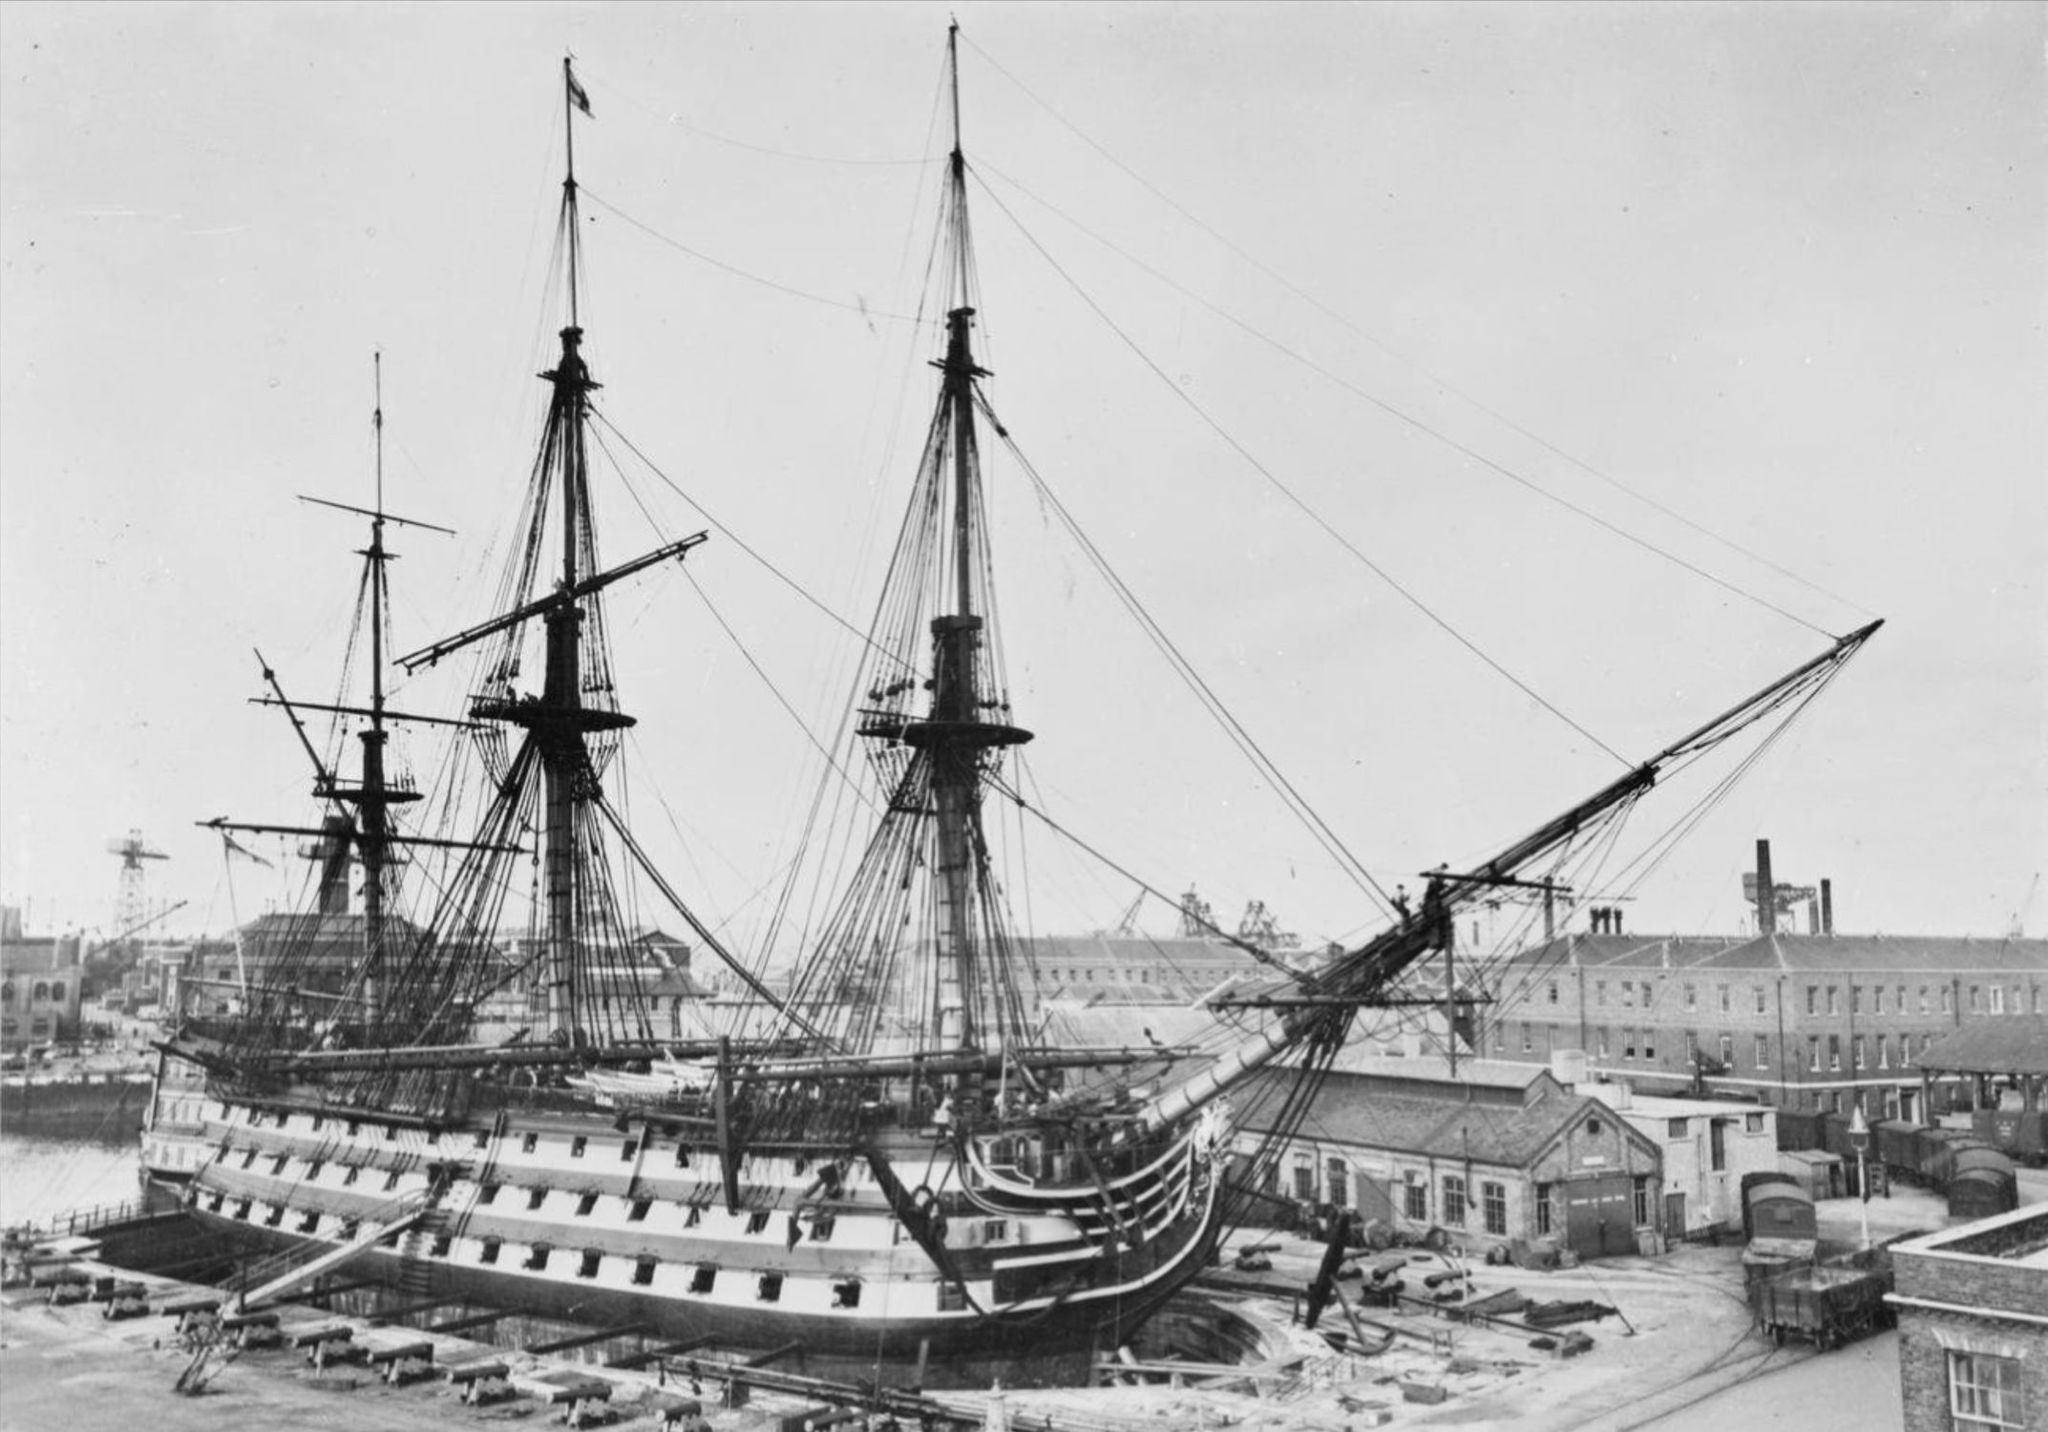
(85, 1220)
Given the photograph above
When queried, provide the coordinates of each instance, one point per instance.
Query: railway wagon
(1896, 1144)
(2023, 1134)
(1775, 1206)
(1982, 1192)
(1823, 1305)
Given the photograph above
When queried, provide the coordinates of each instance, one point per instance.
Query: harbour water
(41, 1178)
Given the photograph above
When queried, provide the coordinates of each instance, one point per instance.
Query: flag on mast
(578, 96)
(237, 848)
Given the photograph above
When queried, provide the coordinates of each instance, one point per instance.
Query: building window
(1649, 1045)
(1493, 1203)
(1642, 1200)
(628, 1149)
(1628, 994)
(1600, 1040)
(577, 1146)
(1948, 999)
(643, 1272)
(1760, 1003)
(1984, 1392)
(487, 1194)
(1339, 1178)
(1858, 1052)
(1899, 1004)
(1813, 1052)
(1552, 991)
(1628, 1042)
(1905, 1051)
(639, 1210)
(489, 1254)
(1813, 999)
(1923, 999)
(1763, 1051)
(1752, 1123)
(1855, 999)
(1599, 991)
(1884, 1051)
(703, 1278)
(1305, 1181)
(1835, 1052)
(1528, 1038)
(1500, 1037)
(1454, 1200)
(1997, 999)
(528, 1144)
(585, 1205)
(1727, 1051)
(1692, 998)
(441, 1244)
(1543, 1208)
(592, 1261)
(1675, 1128)
(1834, 1003)
(769, 1290)
(536, 1197)
(1416, 1199)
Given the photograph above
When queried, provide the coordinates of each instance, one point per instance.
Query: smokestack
(1766, 892)
(1827, 907)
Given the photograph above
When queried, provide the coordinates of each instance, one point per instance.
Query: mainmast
(576, 702)
(954, 735)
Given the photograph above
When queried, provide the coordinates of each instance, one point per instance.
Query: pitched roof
(1992, 1045)
(1959, 953)
(1502, 1135)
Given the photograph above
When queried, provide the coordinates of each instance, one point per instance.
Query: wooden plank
(456, 1325)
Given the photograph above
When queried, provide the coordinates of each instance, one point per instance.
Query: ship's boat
(881, 1158)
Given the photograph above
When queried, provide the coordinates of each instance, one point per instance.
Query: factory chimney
(1766, 891)
(1827, 907)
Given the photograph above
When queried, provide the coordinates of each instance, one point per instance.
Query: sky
(1645, 347)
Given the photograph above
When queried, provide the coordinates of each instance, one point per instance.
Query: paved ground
(1681, 1357)
(65, 1374)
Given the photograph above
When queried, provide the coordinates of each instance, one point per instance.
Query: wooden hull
(565, 1215)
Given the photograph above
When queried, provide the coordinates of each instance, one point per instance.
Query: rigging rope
(1292, 497)
(1317, 304)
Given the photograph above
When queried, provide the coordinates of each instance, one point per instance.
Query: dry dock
(1681, 1334)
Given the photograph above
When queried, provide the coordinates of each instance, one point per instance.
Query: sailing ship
(883, 1162)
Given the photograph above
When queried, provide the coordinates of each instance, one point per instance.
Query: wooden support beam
(772, 1355)
(407, 1310)
(456, 1325)
(656, 1354)
(586, 1339)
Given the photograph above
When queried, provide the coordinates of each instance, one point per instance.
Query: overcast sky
(1761, 286)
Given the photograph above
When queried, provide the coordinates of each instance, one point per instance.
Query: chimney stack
(1766, 891)
(1827, 907)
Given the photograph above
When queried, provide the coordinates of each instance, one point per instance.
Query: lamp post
(1859, 1139)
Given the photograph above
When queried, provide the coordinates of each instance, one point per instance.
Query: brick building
(1972, 1304)
(1492, 1154)
(1801, 1021)
(40, 978)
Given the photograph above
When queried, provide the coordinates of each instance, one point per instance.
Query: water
(41, 1178)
